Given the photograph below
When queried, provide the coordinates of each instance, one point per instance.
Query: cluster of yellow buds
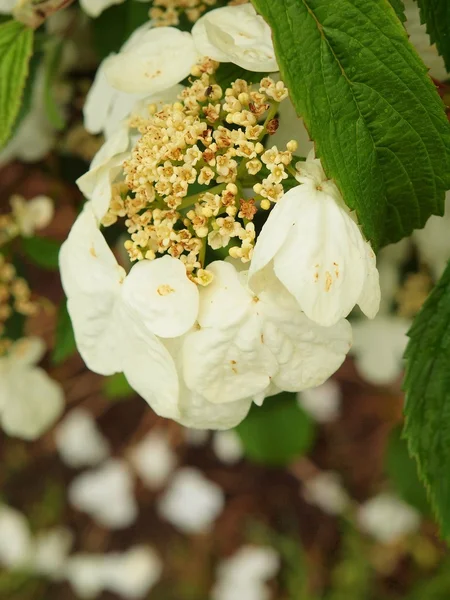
(188, 183)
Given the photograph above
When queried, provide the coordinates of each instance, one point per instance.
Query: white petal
(250, 563)
(154, 459)
(162, 296)
(369, 301)
(98, 101)
(227, 447)
(323, 402)
(224, 301)
(159, 59)
(36, 402)
(86, 574)
(203, 44)
(133, 573)
(387, 518)
(50, 552)
(79, 441)
(191, 503)
(325, 490)
(241, 35)
(94, 8)
(26, 351)
(6, 6)
(15, 538)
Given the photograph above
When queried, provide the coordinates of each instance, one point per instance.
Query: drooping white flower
(191, 502)
(32, 214)
(250, 340)
(79, 441)
(227, 446)
(323, 403)
(130, 574)
(325, 490)
(15, 538)
(236, 34)
(433, 241)
(153, 459)
(152, 60)
(30, 401)
(387, 518)
(50, 552)
(92, 492)
(378, 347)
(318, 251)
(246, 573)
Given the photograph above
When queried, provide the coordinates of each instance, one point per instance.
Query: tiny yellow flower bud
(292, 146)
(257, 188)
(265, 204)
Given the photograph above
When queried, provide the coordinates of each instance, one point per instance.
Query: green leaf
(399, 8)
(276, 432)
(115, 25)
(376, 118)
(16, 44)
(427, 385)
(116, 386)
(65, 344)
(436, 15)
(402, 471)
(41, 251)
(52, 64)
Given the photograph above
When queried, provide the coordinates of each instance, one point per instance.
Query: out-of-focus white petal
(370, 298)
(15, 538)
(94, 8)
(433, 241)
(50, 552)
(154, 61)
(387, 518)
(163, 297)
(32, 214)
(106, 494)
(153, 459)
(227, 446)
(6, 6)
(26, 352)
(36, 402)
(86, 574)
(236, 34)
(79, 441)
(132, 574)
(191, 502)
(323, 402)
(325, 491)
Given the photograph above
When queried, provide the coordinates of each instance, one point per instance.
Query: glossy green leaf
(276, 432)
(427, 408)
(116, 386)
(436, 15)
(16, 44)
(377, 121)
(42, 251)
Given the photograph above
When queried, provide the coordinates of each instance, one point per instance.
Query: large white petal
(203, 44)
(99, 99)
(160, 292)
(162, 57)
(36, 401)
(369, 301)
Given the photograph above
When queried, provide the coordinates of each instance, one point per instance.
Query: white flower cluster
(198, 337)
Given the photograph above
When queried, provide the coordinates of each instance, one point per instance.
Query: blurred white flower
(389, 262)
(378, 348)
(153, 459)
(15, 539)
(227, 446)
(387, 518)
(106, 494)
(30, 401)
(79, 441)
(191, 502)
(6, 6)
(130, 574)
(196, 437)
(32, 214)
(246, 573)
(318, 251)
(236, 34)
(94, 8)
(50, 552)
(325, 490)
(323, 402)
(433, 241)
(421, 40)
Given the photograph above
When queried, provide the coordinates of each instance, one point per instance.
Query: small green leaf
(276, 432)
(399, 8)
(52, 63)
(427, 408)
(16, 44)
(65, 344)
(372, 110)
(115, 25)
(116, 386)
(41, 251)
(436, 15)
(402, 471)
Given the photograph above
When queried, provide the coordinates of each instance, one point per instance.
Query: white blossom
(15, 538)
(32, 214)
(250, 340)
(92, 492)
(318, 251)
(236, 34)
(94, 8)
(227, 446)
(323, 403)
(6, 6)
(191, 502)
(245, 574)
(433, 241)
(50, 552)
(325, 490)
(153, 459)
(79, 441)
(387, 518)
(378, 347)
(30, 401)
